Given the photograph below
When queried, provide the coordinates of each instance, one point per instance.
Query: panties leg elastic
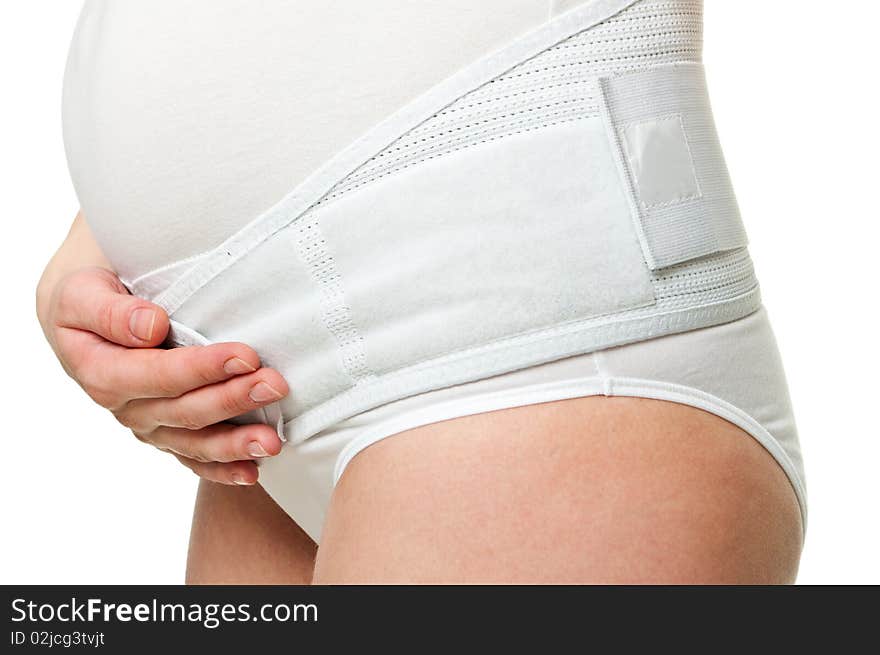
(731, 370)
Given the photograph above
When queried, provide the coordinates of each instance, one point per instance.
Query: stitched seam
(742, 259)
(585, 55)
(333, 196)
(690, 292)
(637, 14)
(462, 142)
(607, 387)
(475, 122)
(677, 117)
(713, 267)
(623, 52)
(624, 40)
(736, 273)
(704, 285)
(528, 85)
(658, 54)
(637, 23)
(473, 119)
(626, 322)
(628, 326)
(478, 123)
(527, 91)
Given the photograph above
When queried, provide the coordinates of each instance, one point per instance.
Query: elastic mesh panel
(553, 87)
(715, 278)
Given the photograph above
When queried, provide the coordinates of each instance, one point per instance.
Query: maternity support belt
(563, 195)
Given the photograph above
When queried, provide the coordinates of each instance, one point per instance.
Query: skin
(592, 490)
(176, 400)
(240, 536)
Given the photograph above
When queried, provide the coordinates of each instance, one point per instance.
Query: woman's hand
(176, 400)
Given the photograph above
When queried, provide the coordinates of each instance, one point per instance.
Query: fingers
(114, 376)
(206, 405)
(93, 299)
(223, 442)
(239, 473)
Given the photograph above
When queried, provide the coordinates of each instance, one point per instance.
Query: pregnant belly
(184, 121)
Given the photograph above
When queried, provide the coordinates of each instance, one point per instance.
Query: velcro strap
(667, 149)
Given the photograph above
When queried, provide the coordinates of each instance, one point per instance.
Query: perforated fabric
(556, 86)
(312, 248)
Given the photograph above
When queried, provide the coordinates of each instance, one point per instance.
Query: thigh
(591, 490)
(240, 536)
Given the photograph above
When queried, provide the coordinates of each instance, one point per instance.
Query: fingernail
(240, 481)
(255, 449)
(141, 323)
(237, 366)
(262, 392)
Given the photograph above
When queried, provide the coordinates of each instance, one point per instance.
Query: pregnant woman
(436, 291)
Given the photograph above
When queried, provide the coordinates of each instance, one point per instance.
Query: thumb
(94, 299)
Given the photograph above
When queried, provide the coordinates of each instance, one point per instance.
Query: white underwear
(732, 370)
(492, 244)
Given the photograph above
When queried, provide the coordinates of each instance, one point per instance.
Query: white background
(791, 82)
